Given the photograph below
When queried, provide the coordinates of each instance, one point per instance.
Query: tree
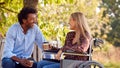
(8, 13)
(30, 3)
(53, 16)
(56, 14)
(113, 10)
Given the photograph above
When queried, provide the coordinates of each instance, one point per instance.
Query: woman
(77, 40)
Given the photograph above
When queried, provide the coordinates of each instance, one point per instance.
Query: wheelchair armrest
(76, 54)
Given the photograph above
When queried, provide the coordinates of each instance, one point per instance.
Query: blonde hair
(81, 26)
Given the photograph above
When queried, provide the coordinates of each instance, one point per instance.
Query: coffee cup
(46, 46)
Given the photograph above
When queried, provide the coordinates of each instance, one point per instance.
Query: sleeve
(9, 43)
(39, 38)
(67, 41)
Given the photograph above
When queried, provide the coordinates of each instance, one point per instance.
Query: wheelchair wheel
(91, 64)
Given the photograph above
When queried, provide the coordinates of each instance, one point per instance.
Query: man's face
(30, 21)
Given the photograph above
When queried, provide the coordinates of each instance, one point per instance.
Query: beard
(30, 26)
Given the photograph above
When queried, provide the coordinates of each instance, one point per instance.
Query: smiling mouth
(32, 26)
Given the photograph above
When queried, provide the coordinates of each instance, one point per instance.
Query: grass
(112, 65)
(109, 56)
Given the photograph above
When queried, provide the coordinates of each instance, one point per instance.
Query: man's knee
(52, 66)
(34, 65)
(47, 66)
(8, 63)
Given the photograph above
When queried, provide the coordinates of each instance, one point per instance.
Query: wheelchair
(67, 63)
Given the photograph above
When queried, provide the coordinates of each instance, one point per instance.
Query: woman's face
(72, 24)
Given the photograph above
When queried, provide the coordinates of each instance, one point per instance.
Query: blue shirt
(19, 44)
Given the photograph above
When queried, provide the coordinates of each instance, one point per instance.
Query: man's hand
(25, 62)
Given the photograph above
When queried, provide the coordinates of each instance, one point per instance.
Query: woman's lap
(48, 64)
(55, 65)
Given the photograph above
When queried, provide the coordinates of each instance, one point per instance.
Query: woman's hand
(58, 55)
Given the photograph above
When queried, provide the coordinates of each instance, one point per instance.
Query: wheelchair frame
(83, 64)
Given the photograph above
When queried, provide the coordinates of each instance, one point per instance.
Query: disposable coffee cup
(46, 46)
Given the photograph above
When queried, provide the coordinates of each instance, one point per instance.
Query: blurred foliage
(113, 10)
(114, 34)
(53, 16)
(112, 65)
(8, 13)
(58, 14)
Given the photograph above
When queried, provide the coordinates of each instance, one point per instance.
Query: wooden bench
(1, 48)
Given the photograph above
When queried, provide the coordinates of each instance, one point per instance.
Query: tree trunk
(30, 3)
(33, 3)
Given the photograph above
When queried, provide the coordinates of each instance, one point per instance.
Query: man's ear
(24, 21)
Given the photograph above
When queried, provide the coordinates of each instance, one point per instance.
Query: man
(20, 40)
